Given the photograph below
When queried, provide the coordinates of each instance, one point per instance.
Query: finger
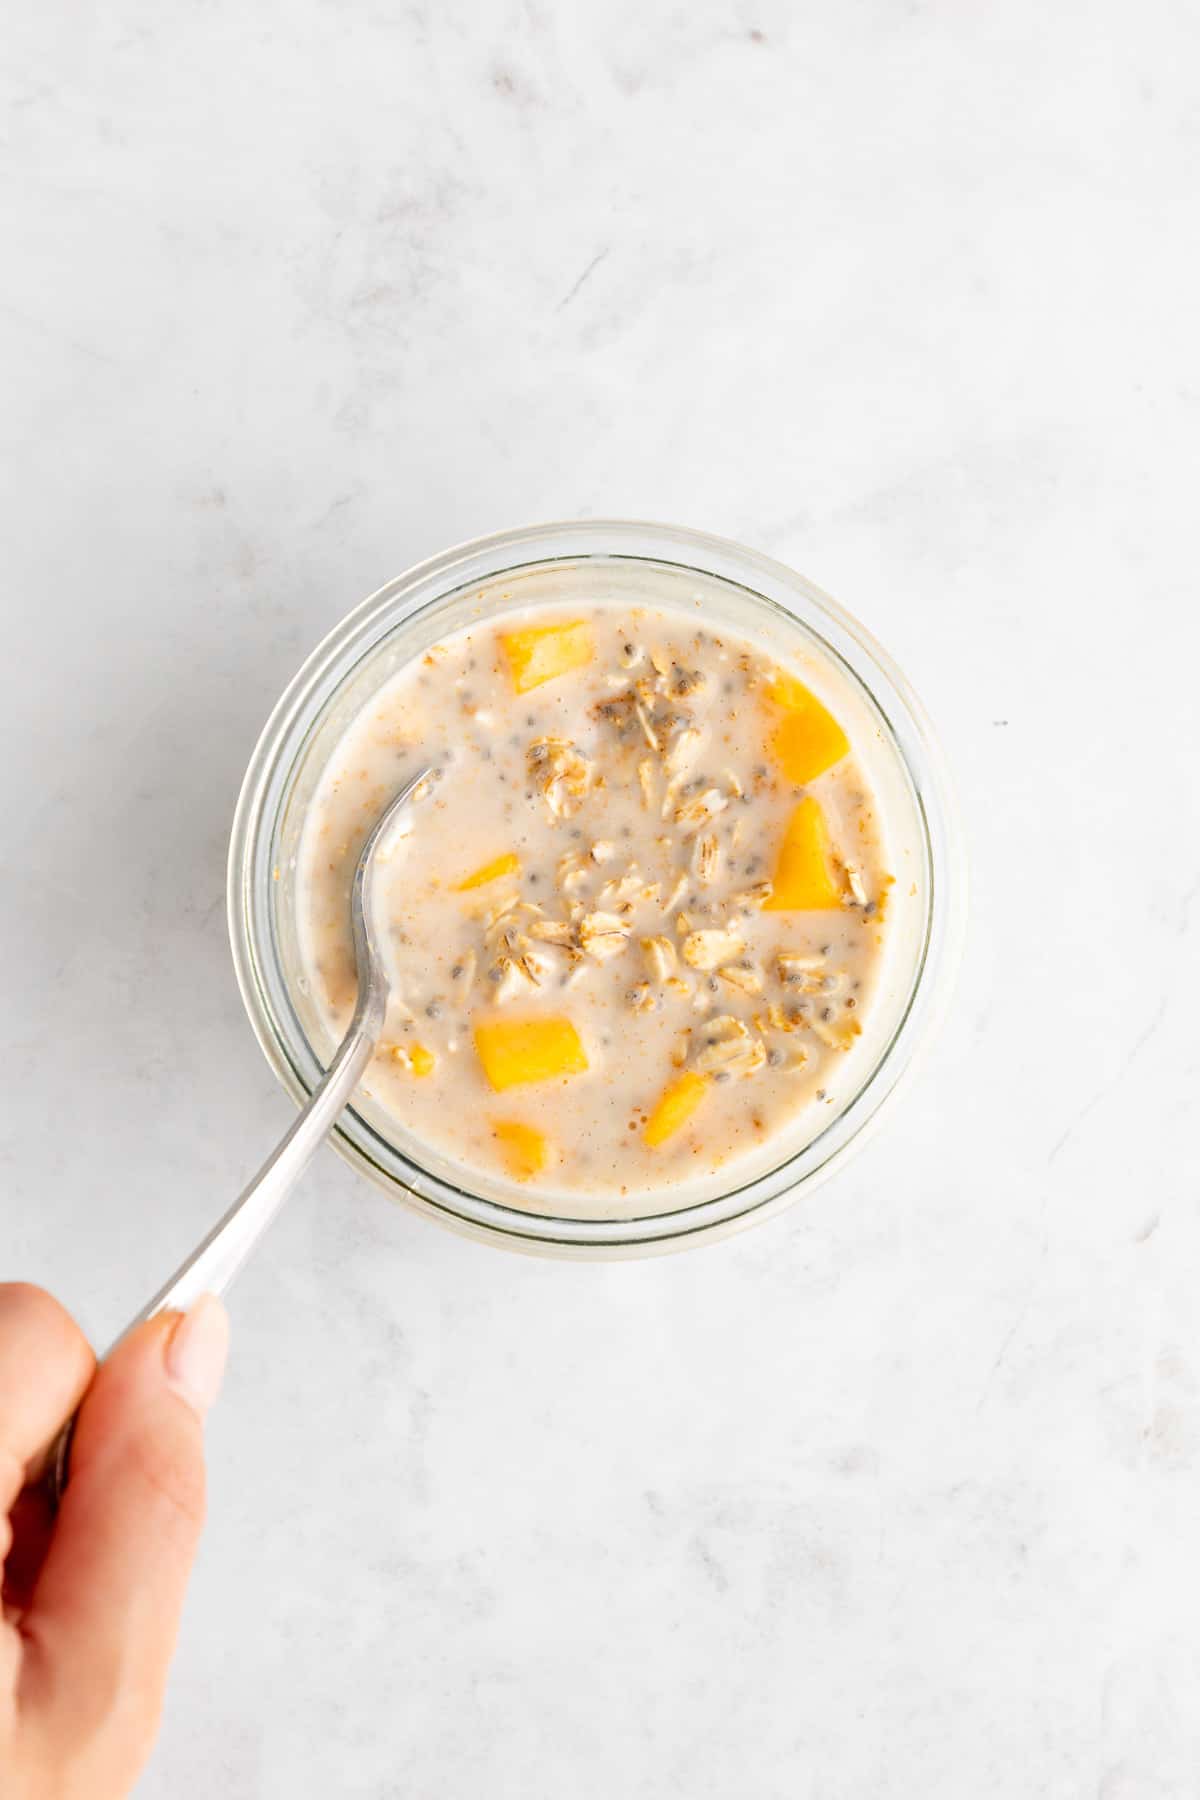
(105, 1611)
(45, 1365)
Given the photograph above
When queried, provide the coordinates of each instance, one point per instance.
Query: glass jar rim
(489, 559)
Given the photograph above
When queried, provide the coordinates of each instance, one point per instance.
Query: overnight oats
(636, 929)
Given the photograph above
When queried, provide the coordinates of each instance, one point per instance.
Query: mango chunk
(508, 864)
(805, 879)
(518, 1050)
(415, 1059)
(544, 652)
(523, 1147)
(674, 1108)
(807, 739)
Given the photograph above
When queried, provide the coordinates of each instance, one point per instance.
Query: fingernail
(196, 1352)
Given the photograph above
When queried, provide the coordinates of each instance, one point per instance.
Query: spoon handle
(218, 1257)
(215, 1261)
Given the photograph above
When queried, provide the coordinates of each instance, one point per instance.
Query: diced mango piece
(523, 1147)
(517, 1050)
(807, 740)
(674, 1108)
(805, 879)
(422, 1060)
(508, 864)
(543, 652)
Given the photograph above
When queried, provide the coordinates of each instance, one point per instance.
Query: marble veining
(898, 1496)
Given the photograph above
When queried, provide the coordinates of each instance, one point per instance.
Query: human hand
(92, 1597)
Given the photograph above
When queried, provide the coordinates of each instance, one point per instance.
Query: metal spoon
(218, 1257)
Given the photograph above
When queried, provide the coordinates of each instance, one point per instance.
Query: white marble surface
(899, 1497)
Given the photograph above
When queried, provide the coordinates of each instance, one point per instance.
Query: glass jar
(749, 593)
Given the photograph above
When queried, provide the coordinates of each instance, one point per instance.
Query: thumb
(105, 1612)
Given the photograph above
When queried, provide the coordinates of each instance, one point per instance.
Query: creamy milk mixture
(639, 915)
